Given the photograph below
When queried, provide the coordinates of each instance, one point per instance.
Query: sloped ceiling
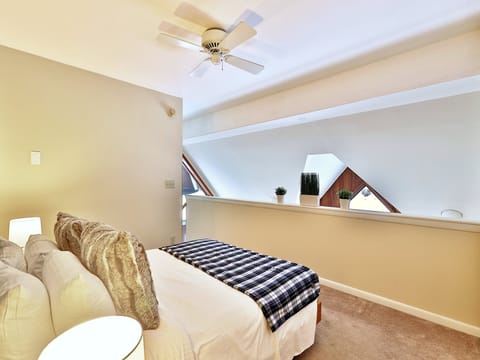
(422, 157)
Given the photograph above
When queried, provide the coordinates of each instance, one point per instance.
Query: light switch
(35, 157)
(169, 184)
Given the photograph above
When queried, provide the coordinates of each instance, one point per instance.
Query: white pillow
(12, 254)
(76, 295)
(25, 320)
(36, 248)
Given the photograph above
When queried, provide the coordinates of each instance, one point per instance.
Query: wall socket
(169, 184)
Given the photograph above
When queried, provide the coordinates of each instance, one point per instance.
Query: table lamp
(20, 229)
(103, 338)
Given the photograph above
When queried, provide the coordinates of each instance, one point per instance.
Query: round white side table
(104, 338)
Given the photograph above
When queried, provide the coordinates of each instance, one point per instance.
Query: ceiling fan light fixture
(216, 58)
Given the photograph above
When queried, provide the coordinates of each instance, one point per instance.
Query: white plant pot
(310, 200)
(280, 199)
(344, 203)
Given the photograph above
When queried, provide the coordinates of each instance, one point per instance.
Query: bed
(94, 270)
(203, 318)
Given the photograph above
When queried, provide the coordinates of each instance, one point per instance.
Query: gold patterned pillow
(68, 230)
(120, 261)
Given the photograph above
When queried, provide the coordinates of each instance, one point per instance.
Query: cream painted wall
(446, 60)
(430, 268)
(107, 148)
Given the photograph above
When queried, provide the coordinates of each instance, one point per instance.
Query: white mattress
(202, 318)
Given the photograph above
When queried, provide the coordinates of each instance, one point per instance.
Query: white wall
(106, 149)
(421, 157)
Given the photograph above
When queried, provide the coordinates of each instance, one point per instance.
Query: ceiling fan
(214, 41)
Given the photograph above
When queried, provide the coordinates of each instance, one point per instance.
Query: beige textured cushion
(76, 295)
(12, 254)
(25, 321)
(119, 259)
(36, 248)
(68, 230)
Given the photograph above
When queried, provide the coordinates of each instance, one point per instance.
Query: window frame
(196, 176)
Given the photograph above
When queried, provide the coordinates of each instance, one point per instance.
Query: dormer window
(365, 199)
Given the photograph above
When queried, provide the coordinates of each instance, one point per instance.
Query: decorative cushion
(36, 248)
(119, 259)
(12, 254)
(76, 295)
(25, 321)
(68, 230)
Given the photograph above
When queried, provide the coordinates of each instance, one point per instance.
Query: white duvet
(202, 318)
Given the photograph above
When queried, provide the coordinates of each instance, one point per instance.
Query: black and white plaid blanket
(281, 288)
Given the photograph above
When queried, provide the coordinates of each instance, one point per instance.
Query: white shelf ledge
(435, 222)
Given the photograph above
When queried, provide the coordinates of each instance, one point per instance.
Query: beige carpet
(356, 329)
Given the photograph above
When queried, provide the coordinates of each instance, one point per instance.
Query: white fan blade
(241, 33)
(248, 16)
(201, 68)
(196, 16)
(179, 36)
(243, 64)
(177, 41)
(175, 30)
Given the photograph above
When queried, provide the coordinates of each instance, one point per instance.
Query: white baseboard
(423, 314)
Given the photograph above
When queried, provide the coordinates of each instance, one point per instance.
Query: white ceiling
(296, 41)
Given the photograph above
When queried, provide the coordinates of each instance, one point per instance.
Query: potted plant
(344, 197)
(309, 189)
(280, 192)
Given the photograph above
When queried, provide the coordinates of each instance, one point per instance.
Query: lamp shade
(189, 186)
(103, 338)
(20, 229)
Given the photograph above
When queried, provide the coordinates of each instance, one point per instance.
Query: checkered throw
(281, 288)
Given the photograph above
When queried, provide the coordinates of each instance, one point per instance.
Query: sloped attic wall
(422, 157)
